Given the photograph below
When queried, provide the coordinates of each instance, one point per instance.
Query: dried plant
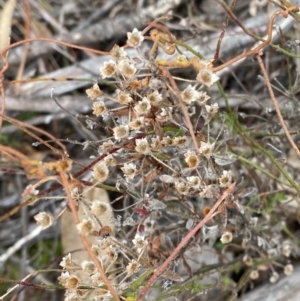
(171, 158)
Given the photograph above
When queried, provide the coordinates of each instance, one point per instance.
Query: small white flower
(189, 94)
(72, 282)
(274, 277)
(111, 253)
(226, 237)
(207, 77)
(142, 107)
(207, 192)
(226, 178)
(137, 123)
(206, 149)
(100, 171)
(191, 159)
(110, 160)
(67, 262)
(254, 275)
(166, 141)
(100, 208)
(194, 181)
(107, 145)
(94, 92)
(63, 277)
(121, 131)
(126, 68)
(180, 141)
(44, 219)
(118, 52)
(109, 69)
(288, 269)
(86, 227)
(96, 279)
(139, 242)
(286, 249)
(155, 97)
(123, 97)
(248, 261)
(132, 267)
(142, 146)
(88, 267)
(213, 109)
(129, 170)
(202, 98)
(181, 187)
(99, 108)
(135, 38)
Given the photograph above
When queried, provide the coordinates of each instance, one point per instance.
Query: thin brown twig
(265, 75)
(225, 25)
(167, 73)
(184, 241)
(23, 126)
(65, 183)
(255, 50)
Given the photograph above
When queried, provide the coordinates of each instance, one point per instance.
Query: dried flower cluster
(169, 175)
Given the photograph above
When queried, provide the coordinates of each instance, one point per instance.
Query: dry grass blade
(5, 24)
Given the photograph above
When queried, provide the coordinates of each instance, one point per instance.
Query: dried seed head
(111, 253)
(202, 98)
(135, 38)
(166, 141)
(194, 182)
(189, 94)
(96, 279)
(213, 109)
(99, 108)
(286, 249)
(132, 267)
(288, 269)
(107, 146)
(254, 275)
(67, 262)
(94, 92)
(100, 172)
(118, 53)
(63, 277)
(123, 97)
(191, 159)
(226, 178)
(207, 192)
(86, 227)
(88, 267)
(126, 68)
(181, 187)
(44, 219)
(72, 282)
(206, 149)
(139, 242)
(248, 261)
(207, 77)
(180, 141)
(109, 69)
(137, 123)
(226, 237)
(142, 146)
(129, 170)
(100, 208)
(274, 277)
(142, 107)
(121, 131)
(110, 160)
(155, 97)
